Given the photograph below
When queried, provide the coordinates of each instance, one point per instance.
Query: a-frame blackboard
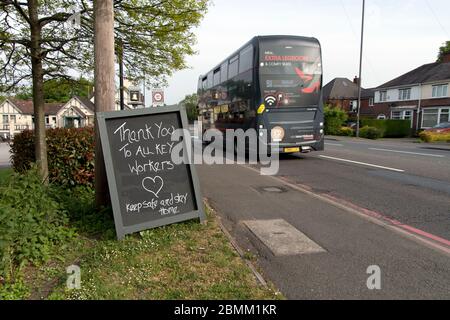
(147, 188)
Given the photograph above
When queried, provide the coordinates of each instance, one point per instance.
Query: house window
(440, 91)
(402, 115)
(404, 94)
(12, 118)
(54, 119)
(370, 102)
(383, 96)
(47, 120)
(444, 115)
(430, 118)
(433, 117)
(396, 115)
(5, 119)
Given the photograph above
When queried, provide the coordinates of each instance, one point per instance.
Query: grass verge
(5, 173)
(181, 261)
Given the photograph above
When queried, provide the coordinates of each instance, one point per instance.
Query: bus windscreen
(290, 75)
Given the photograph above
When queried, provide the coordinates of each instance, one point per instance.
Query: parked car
(440, 128)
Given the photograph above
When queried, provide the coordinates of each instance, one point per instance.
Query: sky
(399, 36)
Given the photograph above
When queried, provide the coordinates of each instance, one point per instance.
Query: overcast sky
(399, 35)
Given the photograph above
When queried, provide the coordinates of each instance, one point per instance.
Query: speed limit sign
(158, 97)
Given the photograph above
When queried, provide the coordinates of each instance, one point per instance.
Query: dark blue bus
(272, 83)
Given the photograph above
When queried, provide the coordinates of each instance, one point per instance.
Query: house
(343, 93)
(77, 112)
(17, 115)
(421, 95)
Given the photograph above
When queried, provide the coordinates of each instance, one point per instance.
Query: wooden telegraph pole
(104, 86)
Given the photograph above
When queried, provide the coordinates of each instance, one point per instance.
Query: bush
(346, 131)
(434, 137)
(70, 155)
(370, 133)
(334, 119)
(31, 223)
(390, 128)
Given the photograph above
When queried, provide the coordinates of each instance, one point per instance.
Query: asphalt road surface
(365, 203)
(407, 182)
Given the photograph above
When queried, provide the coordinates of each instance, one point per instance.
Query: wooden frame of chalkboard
(121, 229)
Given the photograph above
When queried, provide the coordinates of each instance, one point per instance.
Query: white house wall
(393, 94)
(427, 90)
(23, 121)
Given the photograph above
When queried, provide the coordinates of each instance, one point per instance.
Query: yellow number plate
(292, 149)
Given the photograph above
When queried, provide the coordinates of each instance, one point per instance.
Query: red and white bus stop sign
(158, 97)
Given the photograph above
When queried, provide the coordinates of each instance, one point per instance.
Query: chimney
(356, 80)
(446, 58)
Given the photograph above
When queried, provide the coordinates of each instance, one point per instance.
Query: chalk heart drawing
(153, 185)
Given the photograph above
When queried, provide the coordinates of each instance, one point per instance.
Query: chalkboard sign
(147, 188)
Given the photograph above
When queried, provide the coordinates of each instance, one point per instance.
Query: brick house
(421, 95)
(343, 93)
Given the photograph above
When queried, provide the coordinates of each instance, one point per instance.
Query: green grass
(181, 261)
(5, 173)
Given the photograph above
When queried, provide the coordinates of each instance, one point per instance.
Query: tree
(445, 49)
(59, 90)
(38, 43)
(190, 102)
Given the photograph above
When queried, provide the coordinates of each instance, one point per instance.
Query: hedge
(334, 120)
(70, 155)
(390, 128)
(370, 133)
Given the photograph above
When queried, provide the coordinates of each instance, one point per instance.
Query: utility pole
(104, 86)
(360, 69)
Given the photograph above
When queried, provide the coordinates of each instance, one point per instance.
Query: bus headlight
(277, 134)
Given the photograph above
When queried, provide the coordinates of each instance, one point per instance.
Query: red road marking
(394, 222)
(377, 215)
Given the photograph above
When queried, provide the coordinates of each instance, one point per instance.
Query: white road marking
(408, 152)
(362, 163)
(334, 144)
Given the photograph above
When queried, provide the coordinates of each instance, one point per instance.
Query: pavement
(4, 155)
(365, 203)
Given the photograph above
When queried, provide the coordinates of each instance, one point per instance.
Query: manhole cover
(273, 189)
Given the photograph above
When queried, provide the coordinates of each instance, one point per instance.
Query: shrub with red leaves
(70, 155)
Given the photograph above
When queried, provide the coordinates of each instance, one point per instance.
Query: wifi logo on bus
(270, 100)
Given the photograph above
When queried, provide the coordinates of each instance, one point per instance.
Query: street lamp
(360, 70)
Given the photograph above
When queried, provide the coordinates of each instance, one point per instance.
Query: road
(4, 155)
(364, 203)
(413, 187)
